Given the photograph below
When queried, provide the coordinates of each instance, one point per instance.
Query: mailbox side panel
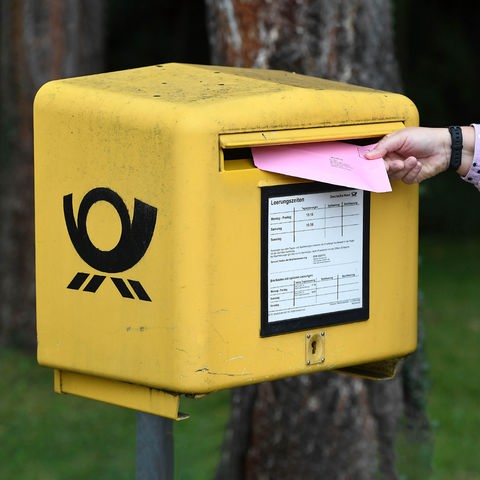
(105, 173)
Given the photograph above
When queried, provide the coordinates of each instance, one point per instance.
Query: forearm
(470, 168)
(468, 134)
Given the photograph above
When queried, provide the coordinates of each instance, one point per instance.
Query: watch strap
(456, 149)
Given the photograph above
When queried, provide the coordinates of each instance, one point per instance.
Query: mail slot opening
(363, 141)
(241, 158)
(237, 158)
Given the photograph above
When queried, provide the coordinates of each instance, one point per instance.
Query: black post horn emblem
(134, 241)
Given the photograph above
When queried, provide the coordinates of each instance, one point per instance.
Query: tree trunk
(323, 425)
(345, 40)
(40, 40)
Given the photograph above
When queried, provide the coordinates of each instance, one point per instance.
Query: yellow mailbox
(165, 260)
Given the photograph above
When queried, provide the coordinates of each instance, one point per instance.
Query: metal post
(154, 447)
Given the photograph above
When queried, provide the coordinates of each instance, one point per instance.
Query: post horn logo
(134, 241)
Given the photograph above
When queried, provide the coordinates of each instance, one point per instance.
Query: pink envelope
(337, 163)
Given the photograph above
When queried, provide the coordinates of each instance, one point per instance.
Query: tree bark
(324, 425)
(344, 40)
(40, 40)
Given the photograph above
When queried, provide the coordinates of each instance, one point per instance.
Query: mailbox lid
(222, 99)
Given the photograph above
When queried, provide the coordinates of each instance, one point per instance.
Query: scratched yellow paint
(151, 144)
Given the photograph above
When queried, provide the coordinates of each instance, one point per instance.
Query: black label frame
(295, 193)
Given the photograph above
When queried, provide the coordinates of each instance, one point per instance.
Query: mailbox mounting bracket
(123, 394)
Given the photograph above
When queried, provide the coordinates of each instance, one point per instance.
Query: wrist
(445, 142)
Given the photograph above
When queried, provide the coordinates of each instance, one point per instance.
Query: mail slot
(168, 264)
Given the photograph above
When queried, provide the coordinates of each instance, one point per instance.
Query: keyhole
(315, 348)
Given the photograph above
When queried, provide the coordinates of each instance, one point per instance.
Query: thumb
(389, 143)
(375, 152)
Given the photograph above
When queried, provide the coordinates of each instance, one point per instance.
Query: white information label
(314, 254)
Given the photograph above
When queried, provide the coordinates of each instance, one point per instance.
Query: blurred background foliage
(436, 42)
(436, 47)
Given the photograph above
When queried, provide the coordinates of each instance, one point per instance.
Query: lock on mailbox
(168, 264)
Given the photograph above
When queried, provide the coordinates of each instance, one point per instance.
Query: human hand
(416, 153)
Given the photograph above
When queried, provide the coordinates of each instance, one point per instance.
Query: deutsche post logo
(135, 238)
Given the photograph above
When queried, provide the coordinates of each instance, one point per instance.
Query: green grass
(198, 440)
(44, 436)
(450, 283)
